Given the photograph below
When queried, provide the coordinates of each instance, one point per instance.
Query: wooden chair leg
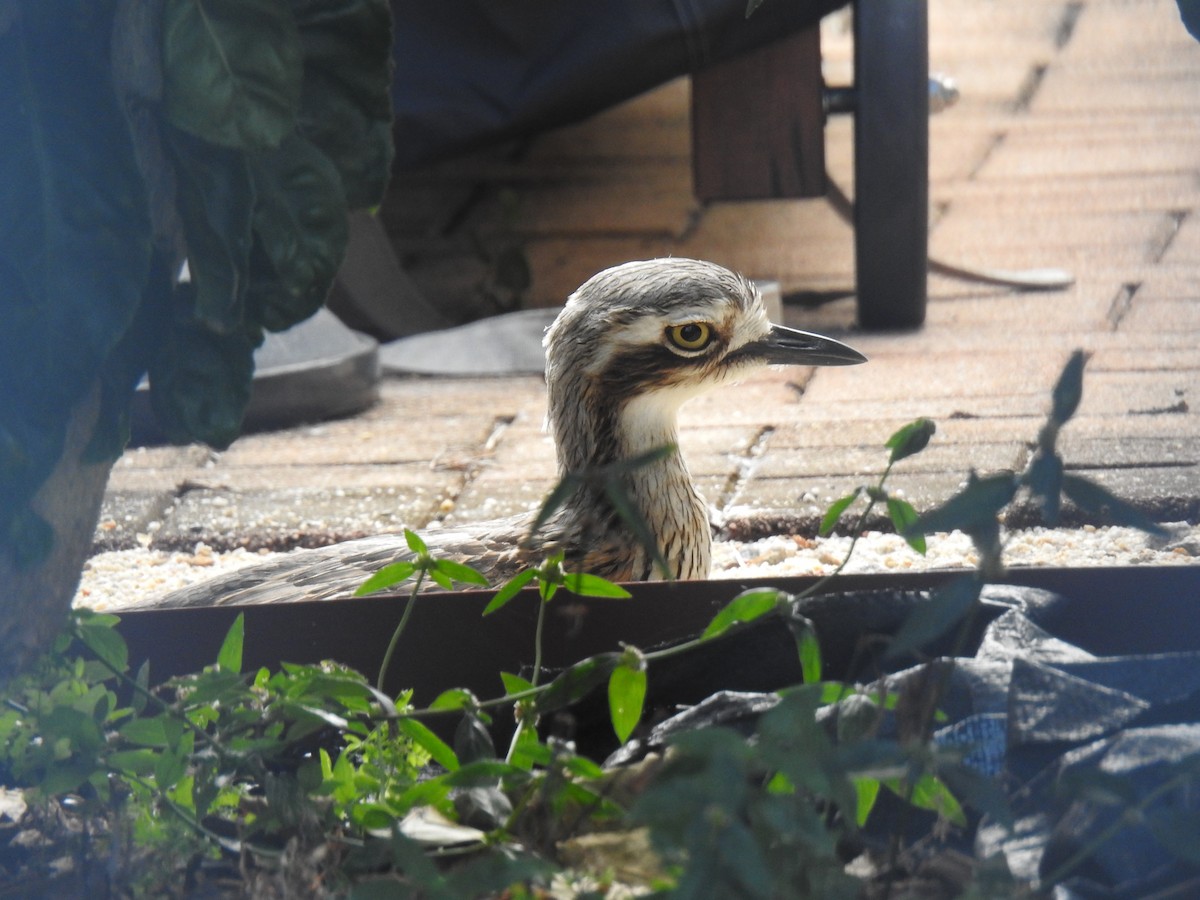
(758, 124)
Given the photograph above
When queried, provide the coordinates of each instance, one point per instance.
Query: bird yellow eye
(692, 336)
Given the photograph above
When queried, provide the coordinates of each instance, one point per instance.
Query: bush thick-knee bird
(632, 344)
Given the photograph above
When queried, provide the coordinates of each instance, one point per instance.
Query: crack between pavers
(995, 144)
(470, 471)
(745, 463)
(1175, 220)
(1121, 303)
(1030, 87)
(1066, 25)
(1123, 466)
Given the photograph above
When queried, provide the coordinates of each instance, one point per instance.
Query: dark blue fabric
(475, 72)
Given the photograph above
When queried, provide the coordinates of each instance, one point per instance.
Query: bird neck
(593, 432)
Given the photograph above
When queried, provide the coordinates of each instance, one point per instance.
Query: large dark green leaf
(216, 206)
(345, 108)
(300, 224)
(74, 232)
(577, 681)
(200, 384)
(232, 70)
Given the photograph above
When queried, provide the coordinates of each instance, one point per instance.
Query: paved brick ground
(1076, 145)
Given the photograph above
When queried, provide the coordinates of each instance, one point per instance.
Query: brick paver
(1076, 144)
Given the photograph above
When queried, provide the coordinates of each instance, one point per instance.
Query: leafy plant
(230, 136)
(316, 760)
(176, 179)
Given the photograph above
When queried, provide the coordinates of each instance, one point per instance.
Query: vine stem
(872, 502)
(537, 671)
(391, 648)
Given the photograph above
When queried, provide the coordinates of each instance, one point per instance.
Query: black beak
(789, 347)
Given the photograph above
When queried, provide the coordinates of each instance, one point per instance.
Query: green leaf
(420, 735)
(807, 647)
(911, 439)
(229, 658)
(134, 762)
(836, 508)
(232, 70)
(1069, 389)
(142, 680)
(323, 716)
(566, 488)
(867, 790)
(626, 694)
(903, 516)
(928, 621)
(146, 732)
(389, 576)
(745, 607)
(372, 816)
(593, 586)
(460, 572)
(101, 639)
(75, 242)
(172, 764)
(200, 382)
(472, 740)
(216, 206)
(515, 684)
(971, 510)
(577, 681)
(930, 793)
(415, 542)
(510, 589)
(1094, 498)
(618, 496)
(65, 777)
(454, 698)
(301, 230)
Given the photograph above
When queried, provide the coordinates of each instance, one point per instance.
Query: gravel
(121, 578)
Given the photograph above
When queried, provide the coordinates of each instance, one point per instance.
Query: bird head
(637, 340)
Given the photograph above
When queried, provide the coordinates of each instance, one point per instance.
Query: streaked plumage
(629, 348)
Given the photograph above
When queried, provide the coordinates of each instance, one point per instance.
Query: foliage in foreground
(233, 136)
(312, 778)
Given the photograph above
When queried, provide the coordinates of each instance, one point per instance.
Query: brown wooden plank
(758, 123)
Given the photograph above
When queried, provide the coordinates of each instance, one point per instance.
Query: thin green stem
(391, 649)
(522, 724)
(872, 502)
(537, 642)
